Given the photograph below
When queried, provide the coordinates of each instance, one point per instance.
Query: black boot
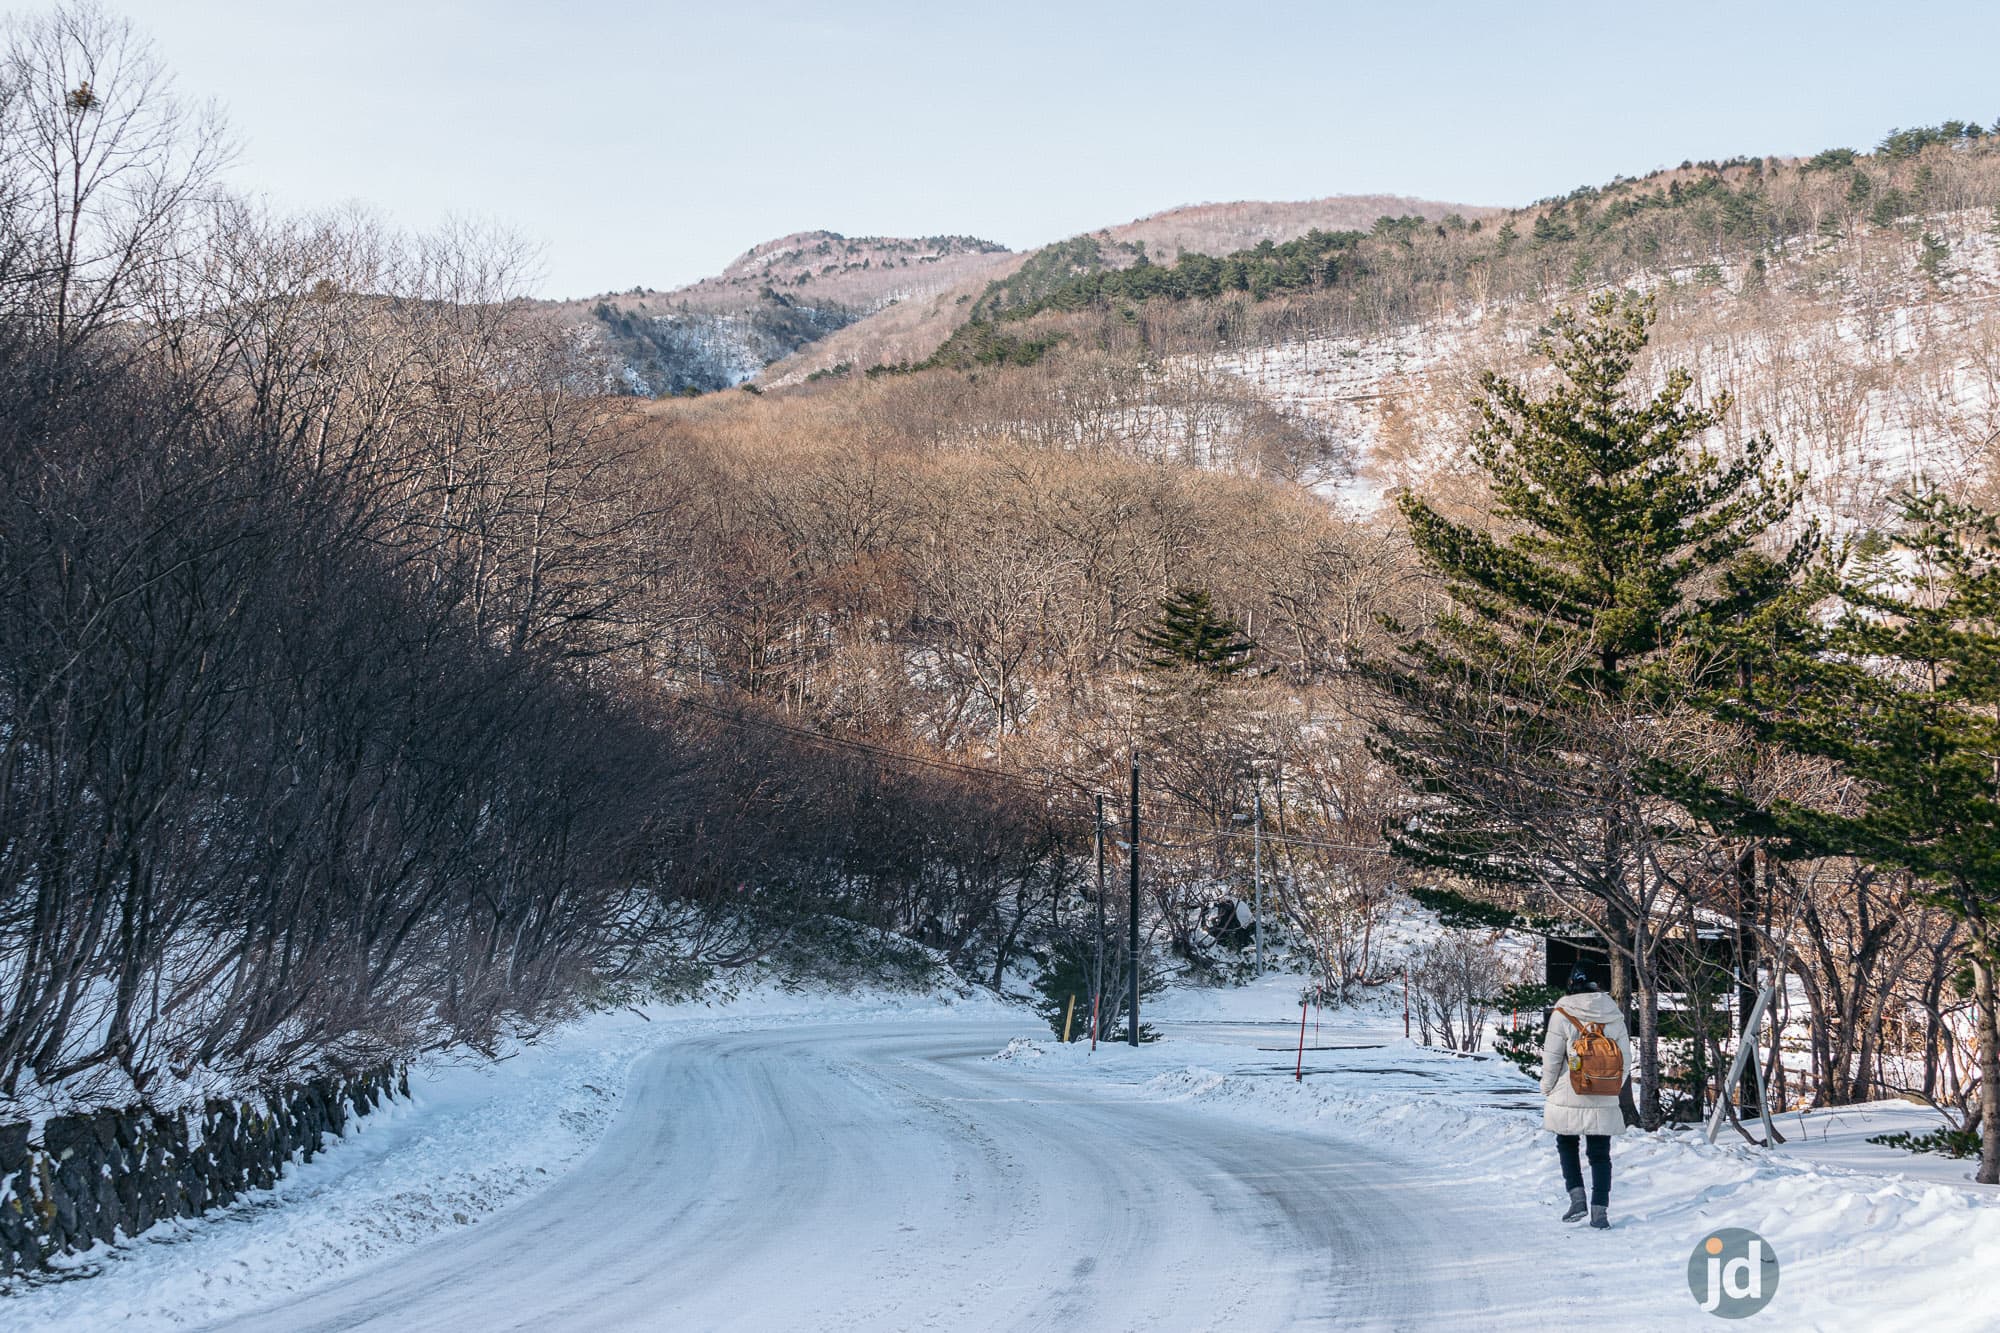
(1577, 1207)
(1599, 1217)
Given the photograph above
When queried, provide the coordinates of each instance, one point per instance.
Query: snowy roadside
(1868, 1237)
(472, 1140)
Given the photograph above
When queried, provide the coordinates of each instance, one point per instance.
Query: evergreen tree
(1189, 632)
(1901, 687)
(1527, 717)
(1620, 520)
(1063, 987)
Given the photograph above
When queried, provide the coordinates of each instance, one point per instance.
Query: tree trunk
(1989, 1064)
(1747, 987)
(1651, 1113)
(1647, 992)
(1621, 975)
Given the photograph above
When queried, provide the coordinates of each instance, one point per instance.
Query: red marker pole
(1406, 1002)
(1299, 1073)
(1093, 1022)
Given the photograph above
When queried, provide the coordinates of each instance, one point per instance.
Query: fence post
(1299, 1072)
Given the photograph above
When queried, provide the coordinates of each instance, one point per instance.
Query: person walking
(1585, 1057)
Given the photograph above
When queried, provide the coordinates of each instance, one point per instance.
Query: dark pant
(1599, 1148)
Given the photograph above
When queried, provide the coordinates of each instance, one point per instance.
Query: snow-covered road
(892, 1175)
(797, 1159)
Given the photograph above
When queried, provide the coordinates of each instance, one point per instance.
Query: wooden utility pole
(1097, 980)
(1257, 866)
(1133, 1038)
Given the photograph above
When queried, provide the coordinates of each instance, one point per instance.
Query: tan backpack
(1596, 1069)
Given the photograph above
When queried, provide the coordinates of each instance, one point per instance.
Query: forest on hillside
(328, 584)
(1693, 219)
(372, 682)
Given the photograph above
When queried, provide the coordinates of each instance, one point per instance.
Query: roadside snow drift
(473, 1139)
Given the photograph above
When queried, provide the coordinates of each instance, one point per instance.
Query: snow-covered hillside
(767, 304)
(655, 353)
(1869, 360)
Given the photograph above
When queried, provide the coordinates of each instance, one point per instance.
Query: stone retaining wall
(117, 1172)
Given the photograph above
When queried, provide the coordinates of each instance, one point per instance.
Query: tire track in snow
(888, 1176)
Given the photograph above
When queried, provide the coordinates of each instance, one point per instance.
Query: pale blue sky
(649, 143)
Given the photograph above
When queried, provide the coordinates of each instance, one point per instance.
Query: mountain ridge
(911, 333)
(776, 313)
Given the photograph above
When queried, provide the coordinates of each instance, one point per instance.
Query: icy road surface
(894, 1176)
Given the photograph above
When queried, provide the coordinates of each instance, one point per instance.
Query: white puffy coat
(1567, 1111)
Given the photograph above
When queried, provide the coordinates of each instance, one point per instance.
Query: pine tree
(1527, 717)
(1619, 518)
(1189, 633)
(1901, 687)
